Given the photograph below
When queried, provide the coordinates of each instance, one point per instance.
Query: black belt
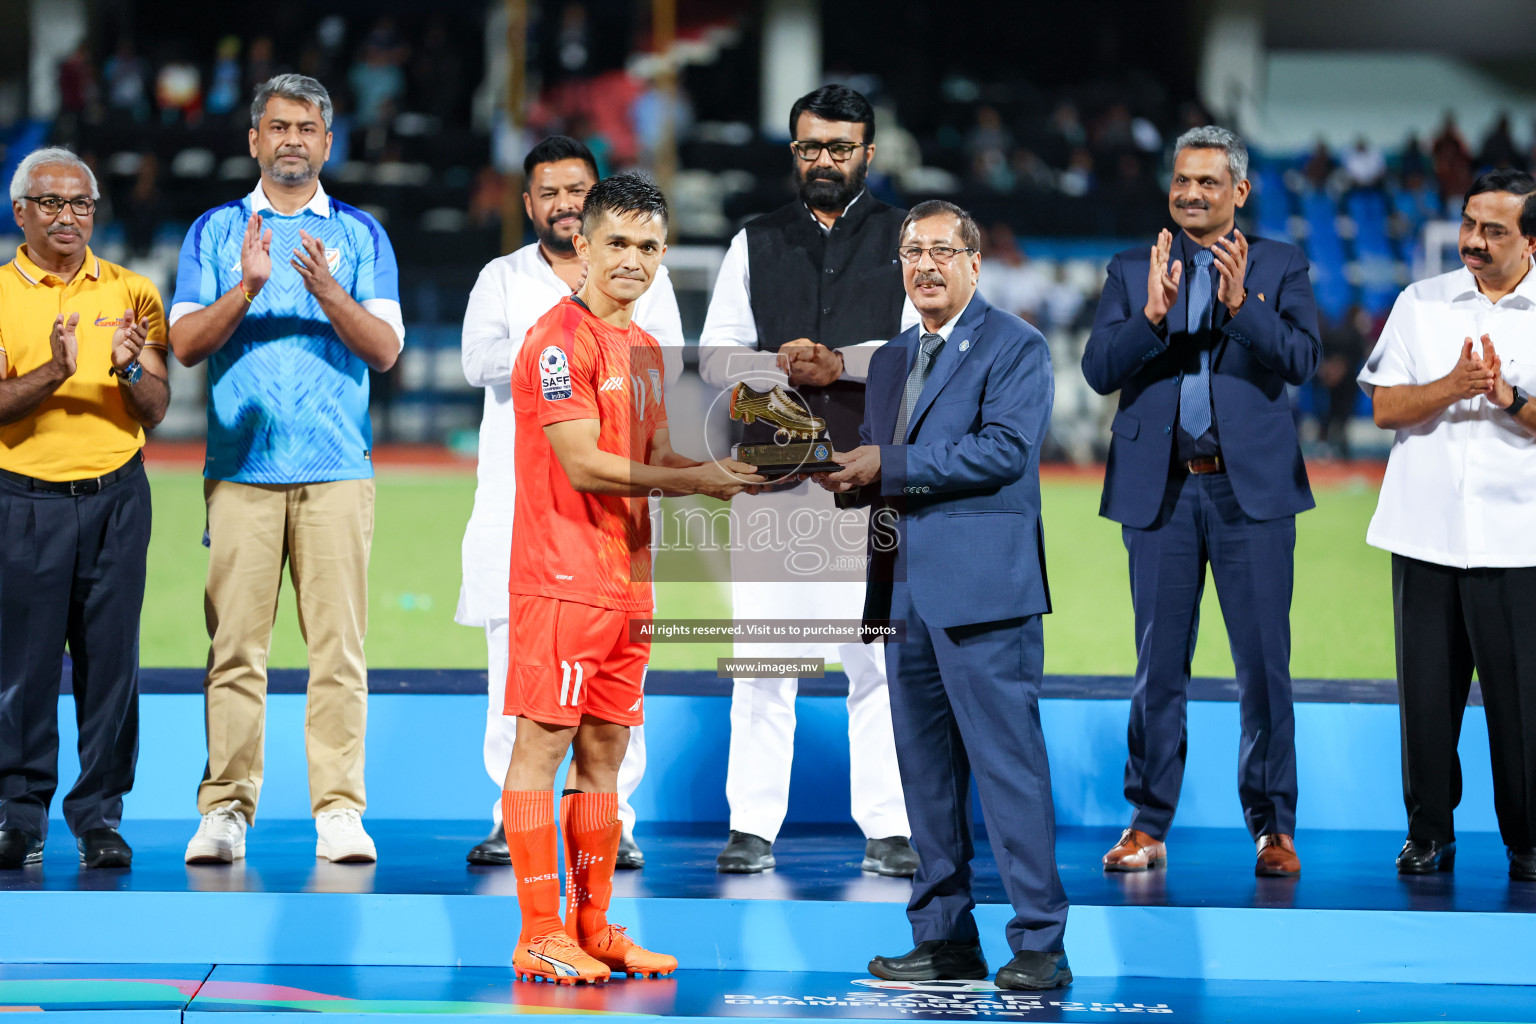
(1202, 464)
(74, 487)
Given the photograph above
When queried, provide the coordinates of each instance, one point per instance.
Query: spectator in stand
(376, 78)
(1012, 282)
(145, 207)
(1345, 345)
(126, 77)
(436, 75)
(225, 87)
(1499, 149)
(77, 90)
(1415, 162)
(259, 66)
(1062, 302)
(487, 198)
(1077, 179)
(988, 143)
(179, 92)
(1364, 164)
(1031, 172)
(1452, 160)
(1320, 166)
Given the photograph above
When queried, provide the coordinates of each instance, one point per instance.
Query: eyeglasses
(941, 254)
(810, 150)
(53, 205)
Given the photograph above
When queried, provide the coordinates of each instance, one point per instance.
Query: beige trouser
(323, 531)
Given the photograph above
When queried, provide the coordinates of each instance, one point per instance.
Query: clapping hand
(255, 256)
(128, 340)
(1232, 266)
(62, 344)
(1500, 392)
(1470, 376)
(309, 261)
(1162, 280)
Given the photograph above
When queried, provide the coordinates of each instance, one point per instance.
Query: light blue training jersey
(287, 400)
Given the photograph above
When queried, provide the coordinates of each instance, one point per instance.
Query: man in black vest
(804, 297)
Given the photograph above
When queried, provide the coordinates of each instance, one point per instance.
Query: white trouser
(501, 730)
(763, 747)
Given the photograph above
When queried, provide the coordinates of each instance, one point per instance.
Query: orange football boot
(556, 958)
(622, 955)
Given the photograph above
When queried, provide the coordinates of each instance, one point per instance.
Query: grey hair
(299, 88)
(21, 181)
(970, 234)
(1211, 136)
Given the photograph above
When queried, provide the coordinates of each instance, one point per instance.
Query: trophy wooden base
(780, 460)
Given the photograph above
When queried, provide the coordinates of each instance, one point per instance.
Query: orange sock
(590, 823)
(529, 820)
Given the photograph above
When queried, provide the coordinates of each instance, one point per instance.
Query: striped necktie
(1195, 390)
(915, 381)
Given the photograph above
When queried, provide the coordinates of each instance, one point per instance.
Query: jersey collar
(33, 274)
(319, 204)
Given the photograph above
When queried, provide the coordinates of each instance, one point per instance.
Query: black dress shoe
(1033, 970)
(893, 856)
(492, 850)
(933, 960)
(745, 854)
(103, 848)
(1425, 857)
(629, 857)
(1522, 865)
(19, 849)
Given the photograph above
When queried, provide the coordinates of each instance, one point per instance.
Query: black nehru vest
(838, 288)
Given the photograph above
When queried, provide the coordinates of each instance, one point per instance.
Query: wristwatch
(129, 374)
(1513, 408)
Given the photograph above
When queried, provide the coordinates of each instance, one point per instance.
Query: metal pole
(663, 36)
(517, 78)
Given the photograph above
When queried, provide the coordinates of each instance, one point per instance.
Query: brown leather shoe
(1277, 856)
(1136, 851)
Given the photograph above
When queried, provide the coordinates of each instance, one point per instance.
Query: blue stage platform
(423, 933)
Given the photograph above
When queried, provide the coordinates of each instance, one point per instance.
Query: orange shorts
(569, 660)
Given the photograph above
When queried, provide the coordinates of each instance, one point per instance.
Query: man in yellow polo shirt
(82, 372)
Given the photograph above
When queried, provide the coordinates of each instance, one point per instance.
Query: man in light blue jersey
(291, 297)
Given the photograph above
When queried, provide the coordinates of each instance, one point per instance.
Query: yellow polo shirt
(83, 429)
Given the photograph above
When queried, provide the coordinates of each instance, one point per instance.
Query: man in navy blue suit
(1200, 338)
(956, 409)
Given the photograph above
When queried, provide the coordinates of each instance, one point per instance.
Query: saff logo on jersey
(554, 374)
(613, 384)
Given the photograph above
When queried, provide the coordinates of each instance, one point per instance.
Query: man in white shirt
(1450, 374)
(512, 292)
(803, 298)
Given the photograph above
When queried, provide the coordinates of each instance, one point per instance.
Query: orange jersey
(591, 549)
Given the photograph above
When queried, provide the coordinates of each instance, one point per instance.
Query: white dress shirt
(728, 344)
(511, 293)
(1460, 487)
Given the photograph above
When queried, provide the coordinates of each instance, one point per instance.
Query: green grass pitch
(1341, 619)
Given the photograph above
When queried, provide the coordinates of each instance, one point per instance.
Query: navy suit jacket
(962, 496)
(1273, 341)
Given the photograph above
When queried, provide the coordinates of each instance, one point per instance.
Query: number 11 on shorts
(566, 690)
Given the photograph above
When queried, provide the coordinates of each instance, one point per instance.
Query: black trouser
(1448, 622)
(71, 571)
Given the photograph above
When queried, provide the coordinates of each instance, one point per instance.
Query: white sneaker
(220, 837)
(342, 837)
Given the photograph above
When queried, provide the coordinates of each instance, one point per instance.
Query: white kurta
(763, 710)
(511, 293)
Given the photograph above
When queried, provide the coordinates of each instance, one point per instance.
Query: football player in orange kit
(591, 443)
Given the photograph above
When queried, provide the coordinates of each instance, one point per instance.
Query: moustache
(826, 174)
(928, 279)
(54, 229)
(1191, 204)
(1477, 254)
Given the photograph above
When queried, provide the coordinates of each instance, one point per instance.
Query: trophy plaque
(796, 447)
